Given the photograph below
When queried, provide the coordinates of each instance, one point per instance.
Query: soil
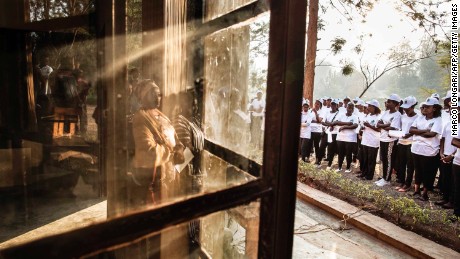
(446, 236)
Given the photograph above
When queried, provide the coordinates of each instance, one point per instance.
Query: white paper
(188, 157)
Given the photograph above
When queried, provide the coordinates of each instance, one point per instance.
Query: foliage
(399, 207)
(49, 9)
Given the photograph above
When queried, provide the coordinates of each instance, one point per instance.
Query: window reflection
(50, 9)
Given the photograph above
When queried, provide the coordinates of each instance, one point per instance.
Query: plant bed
(423, 218)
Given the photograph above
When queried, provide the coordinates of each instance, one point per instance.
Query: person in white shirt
(447, 153)
(330, 136)
(405, 166)
(346, 136)
(390, 120)
(305, 131)
(45, 72)
(445, 114)
(425, 146)
(370, 141)
(456, 178)
(316, 128)
(256, 109)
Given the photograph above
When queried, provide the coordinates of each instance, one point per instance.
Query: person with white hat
(346, 136)
(370, 141)
(316, 127)
(447, 153)
(425, 146)
(329, 139)
(405, 168)
(257, 112)
(390, 120)
(305, 130)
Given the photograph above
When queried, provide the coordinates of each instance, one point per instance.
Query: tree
(312, 38)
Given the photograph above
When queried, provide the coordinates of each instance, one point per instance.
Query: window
(231, 183)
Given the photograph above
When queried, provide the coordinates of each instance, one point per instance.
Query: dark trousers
(405, 170)
(369, 158)
(331, 149)
(314, 142)
(387, 158)
(425, 170)
(456, 188)
(322, 148)
(304, 151)
(345, 149)
(445, 180)
(356, 149)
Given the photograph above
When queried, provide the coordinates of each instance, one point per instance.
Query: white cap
(394, 97)
(374, 102)
(259, 91)
(339, 100)
(306, 101)
(435, 95)
(356, 99)
(361, 102)
(336, 101)
(347, 97)
(408, 102)
(430, 101)
(329, 98)
(448, 95)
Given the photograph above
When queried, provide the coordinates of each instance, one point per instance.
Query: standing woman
(370, 141)
(346, 136)
(456, 178)
(157, 148)
(305, 131)
(390, 120)
(316, 128)
(405, 169)
(425, 146)
(331, 133)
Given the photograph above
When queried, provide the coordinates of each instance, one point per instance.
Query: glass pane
(50, 9)
(236, 61)
(49, 167)
(232, 233)
(216, 8)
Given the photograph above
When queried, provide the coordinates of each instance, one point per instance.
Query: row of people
(412, 143)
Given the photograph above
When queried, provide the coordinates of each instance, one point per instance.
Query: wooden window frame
(276, 186)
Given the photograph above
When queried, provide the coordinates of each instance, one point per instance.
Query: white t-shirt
(371, 138)
(395, 121)
(361, 116)
(331, 117)
(457, 155)
(447, 135)
(342, 110)
(406, 123)
(258, 105)
(305, 122)
(445, 116)
(347, 135)
(315, 126)
(427, 146)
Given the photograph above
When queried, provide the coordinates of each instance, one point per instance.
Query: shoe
(448, 206)
(328, 168)
(383, 183)
(338, 170)
(348, 171)
(424, 197)
(378, 180)
(441, 202)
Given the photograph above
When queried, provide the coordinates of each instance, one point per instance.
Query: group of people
(413, 144)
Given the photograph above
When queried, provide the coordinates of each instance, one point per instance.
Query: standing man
(257, 111)
(45, 72)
